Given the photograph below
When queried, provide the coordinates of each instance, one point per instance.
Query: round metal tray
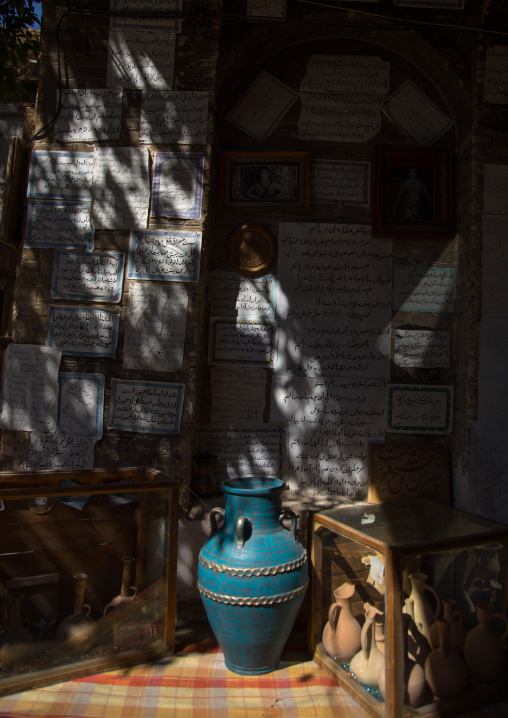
(251, 250)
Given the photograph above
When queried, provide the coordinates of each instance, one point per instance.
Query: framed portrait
(412, 193)
(265, 181)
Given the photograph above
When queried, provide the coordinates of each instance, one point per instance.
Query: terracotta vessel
(127, 592)
(424, 614)
(342, 633)
(414, 675)
(445, 670)
(418, 646)
(78, 631)
(369, 661)
(458, 632)
(484, 648)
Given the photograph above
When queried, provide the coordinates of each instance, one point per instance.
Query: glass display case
(409, 606)
(87, 573)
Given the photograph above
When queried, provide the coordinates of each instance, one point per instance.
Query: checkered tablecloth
(195, 683)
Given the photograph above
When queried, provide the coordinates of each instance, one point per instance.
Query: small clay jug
(78, 631)
(367, 664)
(458, 632)
(342, 633)
(445, 671)
(484, 648)
(16, 641)
(414, 675)
(424, 614)
(418, 646)
(127, 592)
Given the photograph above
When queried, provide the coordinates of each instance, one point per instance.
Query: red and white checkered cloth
(196, 683)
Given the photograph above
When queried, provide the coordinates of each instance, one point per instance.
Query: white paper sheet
(30, 388)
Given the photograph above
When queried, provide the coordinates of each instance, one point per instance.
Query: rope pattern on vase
(248, 572)
(255, 600)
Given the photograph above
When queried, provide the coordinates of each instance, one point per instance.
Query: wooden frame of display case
(346, 524)
(113, 523)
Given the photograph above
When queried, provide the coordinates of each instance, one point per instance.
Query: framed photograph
(412, 193)
(265, 180)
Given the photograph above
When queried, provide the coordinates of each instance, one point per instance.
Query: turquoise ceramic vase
(252, 575)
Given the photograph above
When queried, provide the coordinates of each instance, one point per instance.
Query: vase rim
(252, 486)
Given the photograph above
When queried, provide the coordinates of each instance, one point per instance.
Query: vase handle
(213, 520)
(288, 514)
(331, 616)
(243, 531)
(436, 596)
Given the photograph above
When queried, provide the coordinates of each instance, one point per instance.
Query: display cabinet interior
(87, 572)
(382, 556)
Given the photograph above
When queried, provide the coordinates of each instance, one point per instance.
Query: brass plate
(251, 250)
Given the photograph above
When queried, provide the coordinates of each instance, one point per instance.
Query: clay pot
(414, 675)
(127, 592)
(484, 649)
(424, 614)
(342, 633)
(418, 646)
(78, 631)
(458, 632)
(367, 664)
(445, 670)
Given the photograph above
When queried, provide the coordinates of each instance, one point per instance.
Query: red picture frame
(412, 193)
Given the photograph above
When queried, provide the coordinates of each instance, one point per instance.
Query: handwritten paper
(30, 388)
(121, 187)
(275, 9)
(492, 375)
(495, 189)
(84, 332)
(330, 424)
(332, 182)
(177, 187)
(494, 266)
(172, 255)
(246, 341)
(403, 470)
(174, 117)
(262, 107)
(424, 289)
(334, 301)
(141, 59)
(486, 492)
(257, 451)
(338, 124)
(155, 327)
(81, 404)
(146, 406)
(420, 409)
(341, 97)
(52, 224)
(56, 452)
(495, 89)
(348, 74)
(89, 115)
(60, 175)
(96, 277)
(238, 395)
(164, 14)
(422, 349)
(232, 295)
(415, 115)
